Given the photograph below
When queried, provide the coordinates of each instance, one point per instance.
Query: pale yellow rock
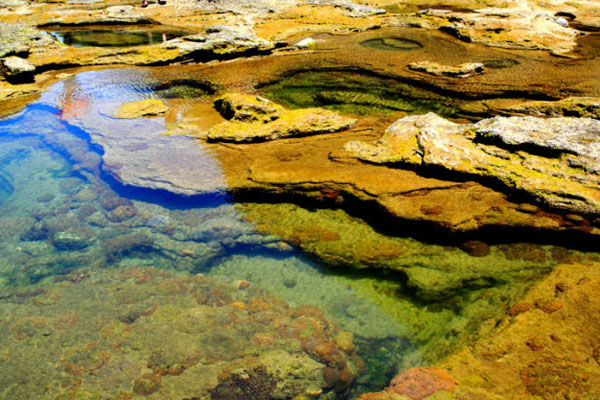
(143, 108)
(555, 160)
(461, 71)
(252, 118)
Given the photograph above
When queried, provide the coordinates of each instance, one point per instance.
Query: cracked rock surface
(553, 160)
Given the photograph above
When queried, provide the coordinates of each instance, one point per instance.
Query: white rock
(562, 21)
(305, 43)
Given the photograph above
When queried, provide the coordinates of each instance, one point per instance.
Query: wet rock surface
(553, 160)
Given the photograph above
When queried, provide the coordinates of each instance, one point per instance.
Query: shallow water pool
(111, 289)
(115, 36)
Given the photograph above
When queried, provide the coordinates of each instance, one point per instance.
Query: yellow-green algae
(358, 92)
(441, 295)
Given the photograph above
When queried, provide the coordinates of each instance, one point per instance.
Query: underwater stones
(142, 108)
(6, 184)
(588, 107)
(433, 272)
(461, 71)
(76, 239)
(147, 384)
(17, 69)
(475, 248)
(122, 213)
(553, 160)
(253, 118)
(418, 383)
(391, 44)
(120, 246)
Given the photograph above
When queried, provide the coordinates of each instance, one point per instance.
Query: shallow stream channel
(117, 280)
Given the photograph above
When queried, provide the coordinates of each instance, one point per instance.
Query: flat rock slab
(554, 160)
(221, 41)
(461, 71)
(142, 108)
(138, 153)
(572, 107)
(524, 25)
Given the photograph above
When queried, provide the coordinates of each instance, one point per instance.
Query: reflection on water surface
(391, 44)
(115, 36)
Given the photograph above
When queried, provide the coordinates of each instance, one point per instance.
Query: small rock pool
(114, 36)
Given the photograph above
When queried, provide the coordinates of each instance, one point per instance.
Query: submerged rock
(462, 71)
(553, 160)
(254, 118)
(147, 332)
(432, 271)
(142, 108)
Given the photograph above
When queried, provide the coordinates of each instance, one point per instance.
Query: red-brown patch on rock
(431, 210)
(560, 287)
(553, 378)
(345, 379)
(147, 384)
(535, 344)
(331, 376)
(475, 248)
(418, 383)
(329, 193)
(520, 308)
(66, 320)
(140, 275)
(27, 327)
(122, 213)
(549, 308)
(263, 339)
(596, 354)
(74, 369)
